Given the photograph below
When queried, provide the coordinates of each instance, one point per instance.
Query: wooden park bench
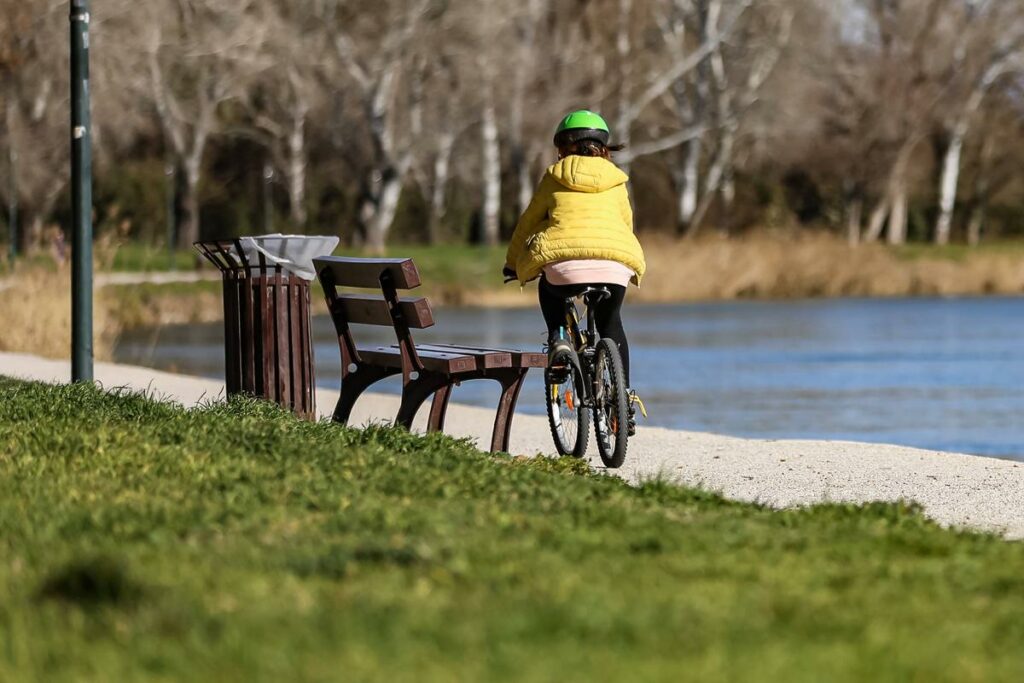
(427, 369)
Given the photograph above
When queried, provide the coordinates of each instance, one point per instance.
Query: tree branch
(661, 144)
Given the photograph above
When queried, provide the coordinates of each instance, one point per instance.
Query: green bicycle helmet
(581, 125)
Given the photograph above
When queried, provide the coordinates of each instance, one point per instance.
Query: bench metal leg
(439, 408)
(511, 382)
(440, 387)
(416, 392)
(354, 384)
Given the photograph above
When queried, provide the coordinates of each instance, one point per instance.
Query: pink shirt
(588, 271)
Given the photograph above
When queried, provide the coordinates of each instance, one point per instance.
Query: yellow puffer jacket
(579, 211)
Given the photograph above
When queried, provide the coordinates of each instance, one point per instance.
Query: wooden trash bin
(268, 347)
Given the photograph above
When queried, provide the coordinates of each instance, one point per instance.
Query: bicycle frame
(585, 343)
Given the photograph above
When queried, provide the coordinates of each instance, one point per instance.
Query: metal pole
(81, 197)
(169, 172)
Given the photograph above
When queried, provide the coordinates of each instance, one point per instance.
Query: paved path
(961, 490)
(155, 277)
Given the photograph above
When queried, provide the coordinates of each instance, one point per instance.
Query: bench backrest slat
(367, 309)
(367, 272)
(387, 276)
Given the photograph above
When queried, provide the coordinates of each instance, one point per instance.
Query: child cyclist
(578, 232)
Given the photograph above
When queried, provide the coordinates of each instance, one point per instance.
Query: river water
(944, 374)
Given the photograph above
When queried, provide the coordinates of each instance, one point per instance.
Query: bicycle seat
(593, 295)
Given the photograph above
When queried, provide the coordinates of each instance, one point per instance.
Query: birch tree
(996, 30)
(194, 57)
(439, 118)
(527, 28)
(373, 50)
(918, 51)
(290, 87)
(736, 78)
(645, 77)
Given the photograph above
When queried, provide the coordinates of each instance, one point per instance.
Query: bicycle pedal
(633, 398)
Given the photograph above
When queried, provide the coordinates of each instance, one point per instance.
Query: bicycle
(587, 378)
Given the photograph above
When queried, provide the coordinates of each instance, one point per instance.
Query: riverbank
(953, 489)
(759, 266)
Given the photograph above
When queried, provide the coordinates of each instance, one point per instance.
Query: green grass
(456, 263)
(140, 541)
(450, 269)
(138, 257)
(442, 268)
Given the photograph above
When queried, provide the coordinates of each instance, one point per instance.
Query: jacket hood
(587, 174)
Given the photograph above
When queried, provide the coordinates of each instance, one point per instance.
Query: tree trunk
(898, 216)
(974, 225)
(712, 184)
(526, 182)
(188, 227)
(297, 168)
(877, 221)
(947, 186)
(492, 176)
(982, 189)
(438, 204)
(12, 178)
(32, 239)
(383, 213)
(624, 48)
(854, 213)
(690, 187)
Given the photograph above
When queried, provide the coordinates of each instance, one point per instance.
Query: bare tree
(996, 31)
(526, 27)
(373, 49)
(661, 71)
(33, 87)
(290, 87)
(906, 77)
(439, 118)
(736, 81)
(194, 55)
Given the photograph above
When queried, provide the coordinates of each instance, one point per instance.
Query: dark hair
(589, 148)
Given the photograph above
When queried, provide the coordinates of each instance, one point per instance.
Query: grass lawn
(450, 274)
(442, 265)
(136, 256)
(140, 541)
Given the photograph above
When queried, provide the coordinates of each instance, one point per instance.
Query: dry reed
(768, 266)
(35, 307)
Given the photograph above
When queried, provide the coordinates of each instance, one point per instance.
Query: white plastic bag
(294, 253)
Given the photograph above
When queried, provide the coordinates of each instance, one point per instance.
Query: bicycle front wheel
(611, 404)
(567, 417)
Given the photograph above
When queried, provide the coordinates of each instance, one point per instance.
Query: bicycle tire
(611, 405)
(567, 417)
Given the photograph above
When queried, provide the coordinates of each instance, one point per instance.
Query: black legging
(607, 313)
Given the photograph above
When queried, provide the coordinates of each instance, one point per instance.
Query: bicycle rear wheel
(567, 417)
(611, 404)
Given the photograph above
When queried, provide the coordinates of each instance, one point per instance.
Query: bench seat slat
(486, 358)
(366, 272)
(368, 309)
(436, 361)
(520, 359)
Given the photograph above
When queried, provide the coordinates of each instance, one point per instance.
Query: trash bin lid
(294, 253)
